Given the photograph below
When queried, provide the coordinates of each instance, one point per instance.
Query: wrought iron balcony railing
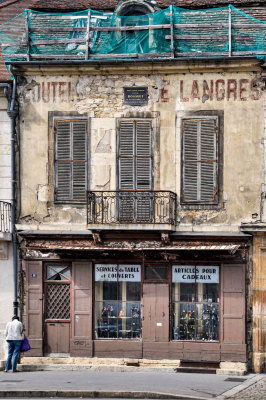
(5, 215)
(131, 207)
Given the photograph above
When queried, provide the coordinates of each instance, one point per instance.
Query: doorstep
(127, 365)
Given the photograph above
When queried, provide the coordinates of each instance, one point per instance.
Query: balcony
(5, 220)
(119, 208)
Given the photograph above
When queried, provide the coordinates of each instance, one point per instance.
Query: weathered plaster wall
(5, 161)
(263, 188)
(6, 272)
(171, 96)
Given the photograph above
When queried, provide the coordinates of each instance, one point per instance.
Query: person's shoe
(5, 370)
(15, 370)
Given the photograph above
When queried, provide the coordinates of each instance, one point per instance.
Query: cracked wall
(100, 96)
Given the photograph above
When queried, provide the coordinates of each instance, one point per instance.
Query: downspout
(12, 112)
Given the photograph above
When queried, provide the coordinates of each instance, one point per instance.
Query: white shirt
(14, 330)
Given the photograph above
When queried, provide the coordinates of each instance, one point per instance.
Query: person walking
(13, 334)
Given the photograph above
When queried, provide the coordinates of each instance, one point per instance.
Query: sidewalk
(106, 384)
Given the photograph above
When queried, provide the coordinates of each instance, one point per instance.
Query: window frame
(71, 118)
(172, 303)
(117, 263)
(217, 181)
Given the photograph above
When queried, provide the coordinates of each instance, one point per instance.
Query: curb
(98, 368)
(91, 394)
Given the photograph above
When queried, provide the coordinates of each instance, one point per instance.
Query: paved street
(197, 386)
(254, 392)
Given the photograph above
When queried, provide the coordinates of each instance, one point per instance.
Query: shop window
(199, 160)
(195, 302)
(70, 159)
(117, 301)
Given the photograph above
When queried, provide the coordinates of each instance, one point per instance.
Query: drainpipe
(12, 111)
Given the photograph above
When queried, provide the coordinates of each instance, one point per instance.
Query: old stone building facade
(142, 208)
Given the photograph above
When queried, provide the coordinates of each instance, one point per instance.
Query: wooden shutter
(71, 160)
(143, 155)
(135, 170)
(233, 304)
(199, 160)
(81, 343)
(233, 337)
(135, 155)
(34, 317)
(126, 155)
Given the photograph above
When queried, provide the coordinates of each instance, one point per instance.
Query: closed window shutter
(71, 160)
(135, 170)
(199, 160)
(126, 155)
(135, 155)
(143, 155)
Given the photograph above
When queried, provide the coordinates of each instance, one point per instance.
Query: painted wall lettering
(50, 92)
(243, 89)
(219, 90)
(164, 94)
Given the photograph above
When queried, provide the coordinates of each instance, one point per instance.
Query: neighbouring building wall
(258, 302)
(235, 97)
(263, 188)
(6, 257)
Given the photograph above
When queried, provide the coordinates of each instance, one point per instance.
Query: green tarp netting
(201, 33)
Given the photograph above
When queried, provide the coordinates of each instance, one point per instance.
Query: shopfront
(182, 305)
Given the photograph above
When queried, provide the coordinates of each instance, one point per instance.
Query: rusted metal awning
(81, 245)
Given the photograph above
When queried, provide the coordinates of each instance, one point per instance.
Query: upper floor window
(135, 164)
(135, 154)
(199, 160)
(71, 153)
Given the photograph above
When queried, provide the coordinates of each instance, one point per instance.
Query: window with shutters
(199, 160)
(135, 166)
(70, 159)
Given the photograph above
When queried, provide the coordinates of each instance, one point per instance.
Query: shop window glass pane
(207, 322)
(211, 292)
(117, 301)
(187, 291)
(112, 291)
(195, 303)
(106, 319)
(133, 291)
(133, 320)
(184, 321)
(155, 272)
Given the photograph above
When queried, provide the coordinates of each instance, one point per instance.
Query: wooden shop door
(155, 312)
(57, 315)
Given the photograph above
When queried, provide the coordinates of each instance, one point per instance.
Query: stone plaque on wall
(135, 96)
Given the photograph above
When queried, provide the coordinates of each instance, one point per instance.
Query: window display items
(195, 303)
(117, 301)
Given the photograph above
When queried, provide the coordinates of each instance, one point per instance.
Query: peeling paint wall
(171, 96)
